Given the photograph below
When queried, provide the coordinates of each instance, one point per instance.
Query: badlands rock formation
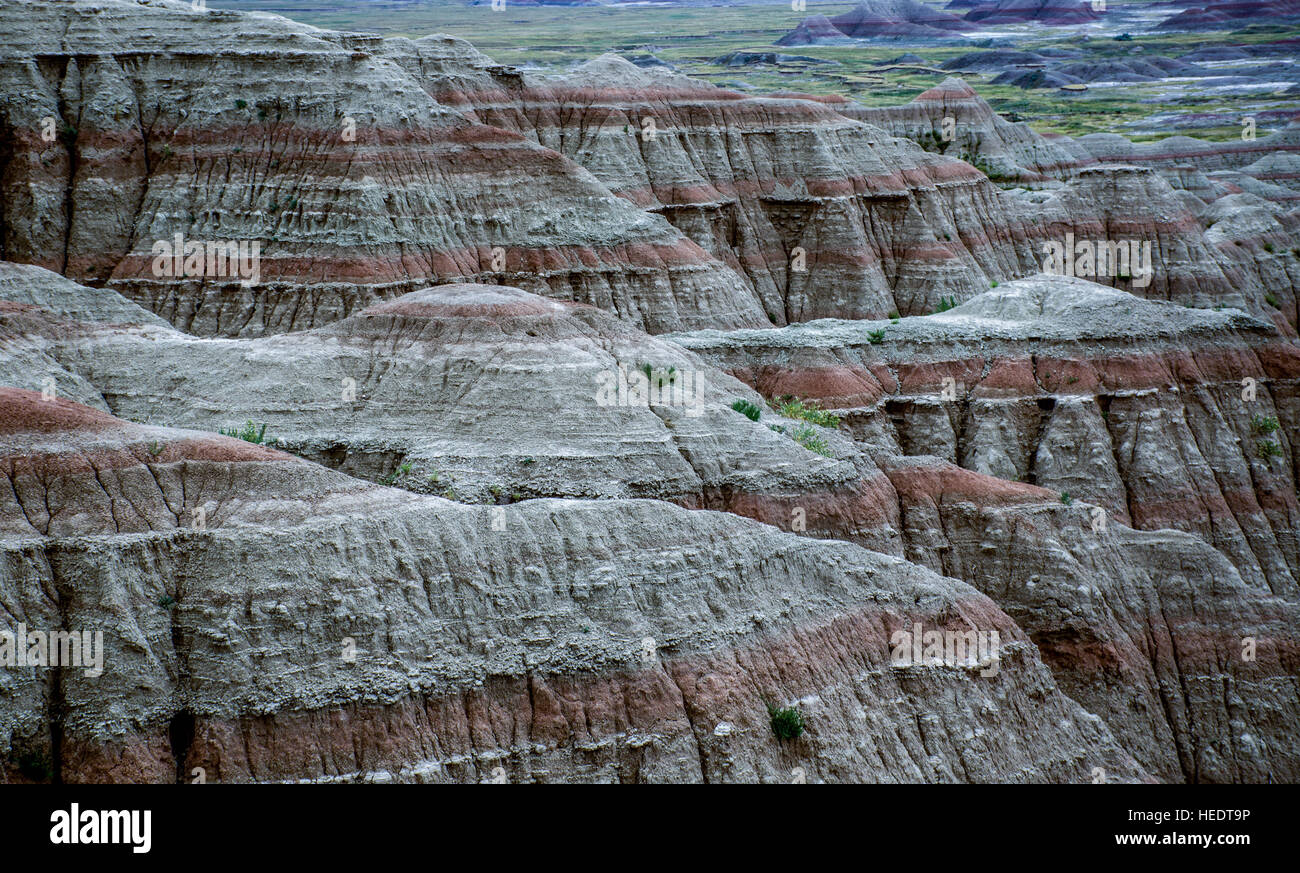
(1135, 408)
(751, 211)
(529, 503)
(357, 182)
(1049, 12)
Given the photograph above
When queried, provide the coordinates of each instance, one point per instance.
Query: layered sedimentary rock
(579, 641)
(128, 124)
(897, 18)
(1118, 475)
(1206, 250)
(878, 19)
(951, 118)
(815, 30)
(1206, 155)
(482, 394)
(822, 215)
(752, 211)
(1137, 409)
(1230, 14)
(1046, 12)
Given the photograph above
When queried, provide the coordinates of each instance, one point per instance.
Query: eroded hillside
(579, 425)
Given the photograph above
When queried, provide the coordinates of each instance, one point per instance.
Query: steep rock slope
(124, 124)
(1230, 253)
(1047, 12)
(434, 397)
(881, 224)
(579, 641)
(485, 394)
(1005, 149)
(1183, 150)
(753, 211)
(1134, 407)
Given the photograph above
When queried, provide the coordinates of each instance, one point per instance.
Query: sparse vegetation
(392, 477)
(808, 437)
(792, 407)
(1271, 299)
(752, 411)
(1066, 498)
(787, 723)
(876, 337)
(249, 433)
(1268, 449)
(946, 303)
(660, 375)
(1264, 424)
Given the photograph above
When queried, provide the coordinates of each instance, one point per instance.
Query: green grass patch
(752, 411)
(249, 433)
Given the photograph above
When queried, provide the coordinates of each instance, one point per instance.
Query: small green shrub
(1264, 424)
(876, 337)
(392, 477)
(808, 437)
(793, 407)
(1066, 498)
(249, 433)
(946, 303)
(1268, 247)
(241, 104)
(752, 411)
(659, 375)
(1271, 299)
(787, 723)
(1268, 449)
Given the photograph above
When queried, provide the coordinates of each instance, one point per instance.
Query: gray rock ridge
(280, 647)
